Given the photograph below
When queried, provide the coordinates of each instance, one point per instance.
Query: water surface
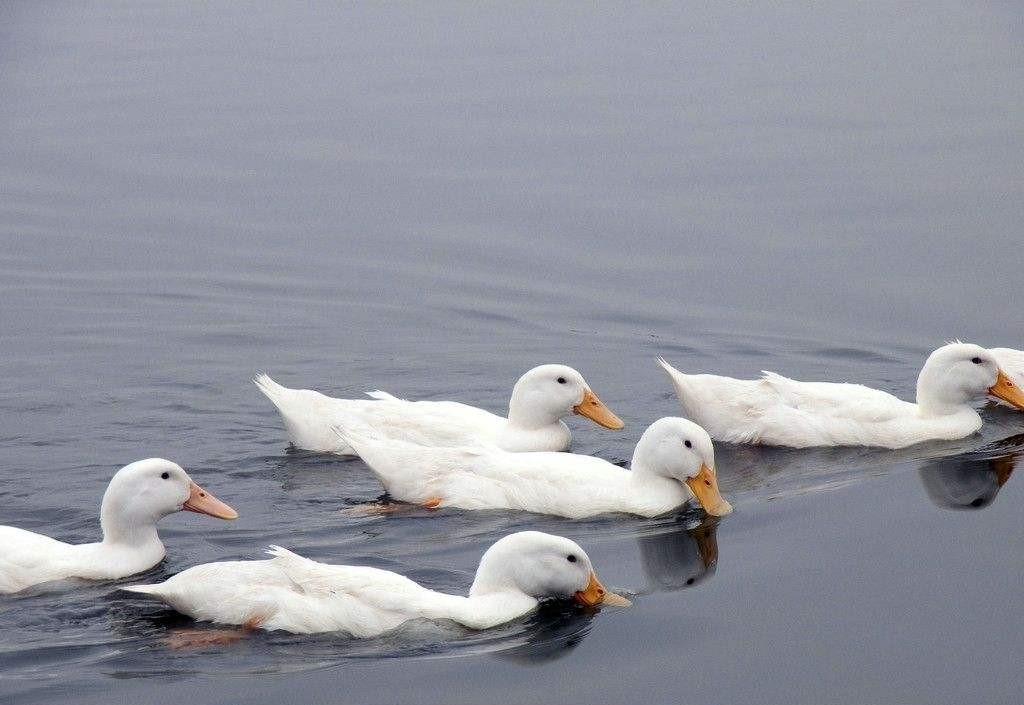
(431, 201)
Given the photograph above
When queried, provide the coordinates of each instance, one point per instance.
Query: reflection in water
(970, 481)
(551, 633)
(767, 473)
(680, 555)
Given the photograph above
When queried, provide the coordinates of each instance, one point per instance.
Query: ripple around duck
(126, 636)
(98, 629)
(429, 539)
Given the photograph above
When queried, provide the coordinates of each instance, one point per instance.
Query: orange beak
(1003, 468)
(594, 409)
(202, 502)
(595, 594)
(704, 486)
(1005, 389)
(707, 542)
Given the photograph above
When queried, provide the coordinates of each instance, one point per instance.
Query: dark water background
(432, 200)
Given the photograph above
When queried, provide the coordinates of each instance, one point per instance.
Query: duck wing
(801, 414)
(487, 477)
(853, 402)
(309, 418)
(357, 599)
(563, 484)
(412, 472)
(429, 423)
(323, 580)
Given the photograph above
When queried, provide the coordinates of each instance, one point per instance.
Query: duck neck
(525, 413)
(494, 593)
(931, 408)
(645, 476)
(934, 400)
(489, 582)
(120, 529)
(488, 609)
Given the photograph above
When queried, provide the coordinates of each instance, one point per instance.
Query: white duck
(540, 400)
(1012, 363)
(138, 496)
(775, 410)
(296, 594)
(673, 462)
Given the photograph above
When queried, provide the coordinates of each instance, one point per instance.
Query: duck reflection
(970, 481)
(550, 633)
(680, 555)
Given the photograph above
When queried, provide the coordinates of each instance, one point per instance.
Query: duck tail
(305, 574)
(391, 459)
(663, 364)
(367, 442)
(287, 560)
(382, 396)
(275, 550)
(150, 589)
(678, 378)
(685, 392)
(273, 391)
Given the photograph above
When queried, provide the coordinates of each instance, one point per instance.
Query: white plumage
(540, 400)
(296, 594)
(673, 461)
(139, 495)
(776, 410)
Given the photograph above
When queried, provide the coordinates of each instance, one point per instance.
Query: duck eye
(688, 444)
(571, 558)
(561, 380)
(976, 360)
(164, 475)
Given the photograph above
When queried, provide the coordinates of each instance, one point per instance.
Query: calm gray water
(431, 201)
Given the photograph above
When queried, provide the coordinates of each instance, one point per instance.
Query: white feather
(138, 495)
(776, 410)
(296, 594)
(563, 484)
(539, 402)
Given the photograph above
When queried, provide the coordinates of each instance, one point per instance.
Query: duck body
(299, 595)
(776, 410)
(138, 496)
(29, 559)
(309, 418)
(562, 484)
(540, 400)
(779, 411)
(295, 594)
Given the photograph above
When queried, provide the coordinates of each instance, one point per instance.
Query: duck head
(958, 374)
(676, 448)
(142, 493)
(542, 566)
(548, 393)
(966, 482)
